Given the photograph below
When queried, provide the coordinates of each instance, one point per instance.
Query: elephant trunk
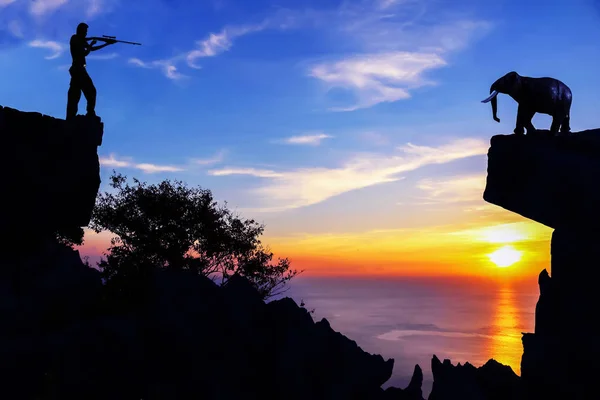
(494, 98)
(495, 108)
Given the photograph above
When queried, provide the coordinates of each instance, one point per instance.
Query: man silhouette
(80, 80)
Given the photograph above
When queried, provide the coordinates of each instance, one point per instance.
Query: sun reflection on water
(505, 342)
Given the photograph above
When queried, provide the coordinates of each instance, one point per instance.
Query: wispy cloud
(308, 139)
(15, 29)
(56, 48)
(392, 47)
(106, 56)
(385, 4)
(217, 43)
(257, 173)
(457, 189)
(4, 3)
(217, 158)
(112, 161)
(43, 7)
(377, 78)
(166, 66)
(213, 45)
(153, 168)
(94, 8)
(307, 186)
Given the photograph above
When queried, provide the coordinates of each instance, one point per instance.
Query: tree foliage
(70, 236)
(170, 225)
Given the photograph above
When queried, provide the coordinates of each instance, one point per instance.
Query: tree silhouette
(70, 236)
(170, 225)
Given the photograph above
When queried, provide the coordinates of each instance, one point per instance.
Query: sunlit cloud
(308, 139)
(418, 250)
(56, 48)
(505, 233)
(112, 161)
(153, 168)
(257, 173)
(455, 189)
(307, 186)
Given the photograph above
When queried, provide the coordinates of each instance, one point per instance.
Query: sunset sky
(353, 129)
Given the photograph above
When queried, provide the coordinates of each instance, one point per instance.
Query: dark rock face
(547, 179)
(187, 338)
(560, 358)
(551, 180)
(53, 173)
(492, 381)
(412, 392)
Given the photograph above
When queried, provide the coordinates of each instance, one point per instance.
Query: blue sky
(312, 116)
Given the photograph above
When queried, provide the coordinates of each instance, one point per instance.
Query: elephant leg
(524, 117)
(557, 121)
(528, 124)
(565, 126)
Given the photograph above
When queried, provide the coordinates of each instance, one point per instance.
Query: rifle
(105, 38)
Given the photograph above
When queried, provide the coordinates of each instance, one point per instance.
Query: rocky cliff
(52, 173)
(547, 179)
(552, 180)
(63, 335)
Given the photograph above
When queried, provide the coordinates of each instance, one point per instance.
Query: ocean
(410, 319)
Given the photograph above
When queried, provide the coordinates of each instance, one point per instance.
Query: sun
(505, 256)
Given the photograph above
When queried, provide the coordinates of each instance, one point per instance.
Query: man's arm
(92, 48)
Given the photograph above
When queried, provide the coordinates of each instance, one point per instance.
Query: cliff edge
(553, 180)
(548, 179)
(52, 173)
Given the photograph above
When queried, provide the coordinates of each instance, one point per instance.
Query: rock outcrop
(186, 338)
(52, 173)
(552, 180)
(491, 381)
(547, 179)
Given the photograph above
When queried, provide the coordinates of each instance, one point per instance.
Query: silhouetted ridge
(492, 381)
(187, 337)
(52, 173)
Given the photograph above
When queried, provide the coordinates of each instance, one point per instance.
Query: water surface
(411, 319)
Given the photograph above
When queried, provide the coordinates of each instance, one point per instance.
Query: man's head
(82, 29)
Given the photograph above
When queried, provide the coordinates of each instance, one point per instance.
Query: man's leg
(89, 91)
(73, 95)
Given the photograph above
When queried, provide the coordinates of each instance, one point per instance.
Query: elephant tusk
(494, 94)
